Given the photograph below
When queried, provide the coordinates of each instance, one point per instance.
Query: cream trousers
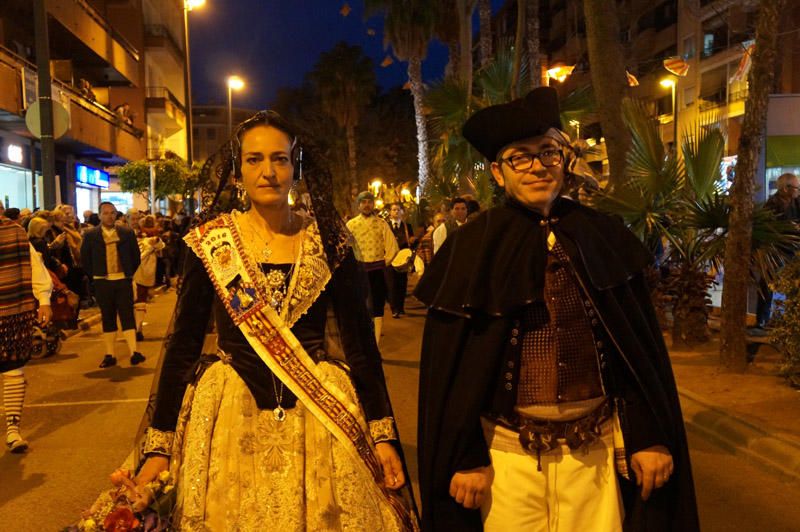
(575, 490)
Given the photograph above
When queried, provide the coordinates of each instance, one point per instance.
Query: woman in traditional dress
(288, 425)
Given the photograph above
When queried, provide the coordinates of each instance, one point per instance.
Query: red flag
(744, 64)
(387, 61)
(345, 9)
(632, 81)
(676, 65)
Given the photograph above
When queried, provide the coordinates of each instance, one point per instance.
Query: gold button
(510, 364)
(509, 376)
(508, 386)
(542, 222)
(514, 341)
(599, 345)
(514, 332)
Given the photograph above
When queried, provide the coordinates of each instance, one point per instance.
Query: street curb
(84, 324)
(778, 454)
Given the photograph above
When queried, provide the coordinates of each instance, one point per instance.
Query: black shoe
(108, 361)
(395, 315)
(139, 336)
(402, 313)
(137, 358)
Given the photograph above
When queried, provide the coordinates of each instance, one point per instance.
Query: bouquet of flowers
(128, 507)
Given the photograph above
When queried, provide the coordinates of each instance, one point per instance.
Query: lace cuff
(382, 429)
(158, 442)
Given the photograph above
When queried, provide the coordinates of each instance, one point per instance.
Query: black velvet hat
(491, 129)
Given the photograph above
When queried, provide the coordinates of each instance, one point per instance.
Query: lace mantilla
(159, 442)
(382, 429)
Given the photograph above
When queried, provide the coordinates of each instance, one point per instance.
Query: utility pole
(45, 103)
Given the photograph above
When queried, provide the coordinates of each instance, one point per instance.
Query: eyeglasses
(521, 162)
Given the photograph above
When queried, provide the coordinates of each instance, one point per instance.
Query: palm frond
(703, 149)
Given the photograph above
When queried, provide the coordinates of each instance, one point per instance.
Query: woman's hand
(154, 465)
(393, 475)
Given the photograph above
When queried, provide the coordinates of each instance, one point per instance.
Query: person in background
(397, 281)
(13, 214)
(24, 282)
(375, 248)
(785, 203)
(110, 257)
(150, 245)
(459, 211)
(425, 249)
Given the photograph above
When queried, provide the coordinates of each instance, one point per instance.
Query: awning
(783, 150)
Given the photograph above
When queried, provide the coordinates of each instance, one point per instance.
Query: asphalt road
(80, 421)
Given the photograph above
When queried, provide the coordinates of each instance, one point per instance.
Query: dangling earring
(241, 192)
(299, 167)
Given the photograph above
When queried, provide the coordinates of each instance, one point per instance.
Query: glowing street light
(376, 187)
(235, 83)
(669, 83)
(560, 73)
(577, 125)
(405, 193)
(379, 204)
(188, 5)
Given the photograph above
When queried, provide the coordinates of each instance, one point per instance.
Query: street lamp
(235, 83)
(376, 187)
(670, 83)
(188, 5)
(577, 125)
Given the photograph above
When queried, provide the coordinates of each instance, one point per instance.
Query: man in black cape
(547, 399)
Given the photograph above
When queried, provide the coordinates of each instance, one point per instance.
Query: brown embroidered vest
(559, 357)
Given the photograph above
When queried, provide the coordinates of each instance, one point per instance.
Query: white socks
(108, 340)
(378, 322)
(130, 339)
(140, 310)
(13, 397)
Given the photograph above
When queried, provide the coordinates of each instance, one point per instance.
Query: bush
(786, 320)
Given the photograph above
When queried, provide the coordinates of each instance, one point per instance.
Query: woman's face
(267, 170)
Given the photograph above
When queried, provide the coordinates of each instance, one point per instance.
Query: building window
(689, 47)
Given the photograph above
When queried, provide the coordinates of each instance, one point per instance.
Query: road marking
(80, 403)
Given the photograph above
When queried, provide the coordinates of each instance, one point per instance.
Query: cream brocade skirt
(238, 469)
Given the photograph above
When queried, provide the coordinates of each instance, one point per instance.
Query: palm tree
(485, 29)
(518, 48)
(344, 79)
(665, 198)
(761, 77)
(532, 34)
(464, 10)
(446, 30)
(608, 79)
(408, 27)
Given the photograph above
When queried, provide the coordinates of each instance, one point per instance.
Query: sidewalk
(755, 415)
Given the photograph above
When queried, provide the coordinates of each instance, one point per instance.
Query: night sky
(275, 43)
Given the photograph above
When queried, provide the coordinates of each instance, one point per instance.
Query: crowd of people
(59, 268)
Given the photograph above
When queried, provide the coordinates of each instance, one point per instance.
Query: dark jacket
(476, 288)
(402, 234)
(93, 252)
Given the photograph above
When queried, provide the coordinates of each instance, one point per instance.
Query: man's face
(69, 212)
(396, 212)
(535, 187)
(108, 214)
(87, 215)
(792, 188)
(460, 212)
(366, 206)
(439, 219)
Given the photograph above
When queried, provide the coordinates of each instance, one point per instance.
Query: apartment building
(712, 37)
(120, 86)
(210, 127)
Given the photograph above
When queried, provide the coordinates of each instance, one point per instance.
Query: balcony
(161, 42)
(95, 131)
(91, 30)
(165, 112)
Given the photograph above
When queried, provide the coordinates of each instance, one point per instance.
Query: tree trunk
(534, 61)
(451, 70)
(518, 46)
(415, 78)
(485, 17)
(733, 353)
(608, 80)
(465, 9)
(351, 157)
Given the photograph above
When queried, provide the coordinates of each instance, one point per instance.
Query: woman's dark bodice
(345, 295)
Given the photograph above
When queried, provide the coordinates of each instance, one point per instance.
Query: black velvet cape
(478, 283)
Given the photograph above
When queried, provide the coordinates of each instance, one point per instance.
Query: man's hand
(45, 314)
(392, 466)
(653, 467)
(469, 488)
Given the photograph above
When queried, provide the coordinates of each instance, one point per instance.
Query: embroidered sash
(219, 245)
